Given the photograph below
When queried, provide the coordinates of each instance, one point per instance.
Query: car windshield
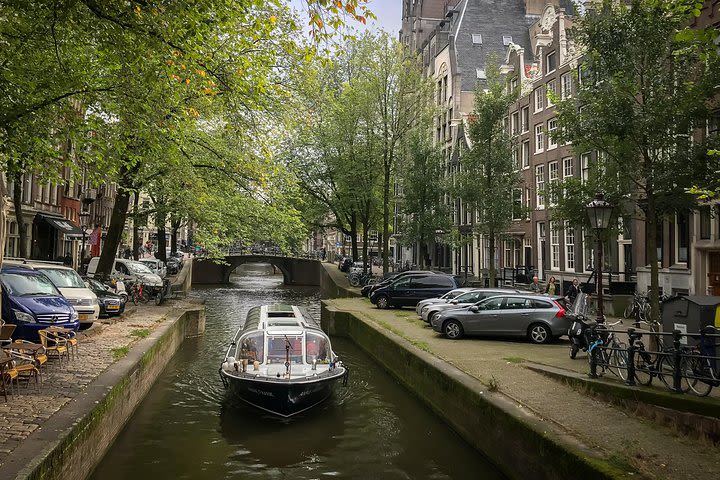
(466, 297)
(149, 263)
(63, 278)
(95, 284)
(28, 284)
(137, 267)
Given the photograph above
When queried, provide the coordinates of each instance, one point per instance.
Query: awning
(63, 225)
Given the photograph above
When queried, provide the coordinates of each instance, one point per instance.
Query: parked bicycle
(702, 367)
(139, 294)
(606, 351)
(639, 308)
(164, 292)
(660, 364)
(360, 279)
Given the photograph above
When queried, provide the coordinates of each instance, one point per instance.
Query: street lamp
(84, 216)
(599, 212)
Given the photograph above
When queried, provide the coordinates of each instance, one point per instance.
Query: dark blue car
(408, 290)
(31, 301)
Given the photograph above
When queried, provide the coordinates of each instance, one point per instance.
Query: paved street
(24, 414)
(627, 440)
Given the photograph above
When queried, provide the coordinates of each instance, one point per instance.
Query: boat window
(252, 346)
(276, 349)
(318, 348)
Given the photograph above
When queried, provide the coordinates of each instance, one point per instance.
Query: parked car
(390, 277)
(156, 265)
(111, 303)
(129, 271)
(33, 303)
(71, 286)
(441, 299)
(539, 318)
(173, 266)
(408, 290)
(465, 300)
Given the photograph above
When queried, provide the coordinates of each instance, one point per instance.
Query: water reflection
(187, 428)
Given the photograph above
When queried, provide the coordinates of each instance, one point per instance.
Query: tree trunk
(386, 211)
(175, 224)
(136, 230)
(114, 233)
(492, 274)
(651, 226)
(366, 238)
(160, 218)
(353, 237)
(17, 203)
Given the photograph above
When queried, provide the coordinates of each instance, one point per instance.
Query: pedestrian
(67, 260)
(552, 287)
(535, 286)
(573, 291)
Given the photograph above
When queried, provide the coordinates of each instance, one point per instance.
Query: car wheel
(539, 333)
(433, 316)
(382, 302)
(453, 330)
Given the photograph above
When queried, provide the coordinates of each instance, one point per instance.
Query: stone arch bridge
(295, 270)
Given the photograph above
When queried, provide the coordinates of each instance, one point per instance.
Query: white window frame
(569, 248)
(568, 167)
(585, 166)
(507, 40)
(480, 73)
(539, 96)
(515, 122)
(550, 86)
(551, 143)
(525, 119)
(677, 241)
(525, 154)
(554, 246)
(539, 138)
(547, 62)
(515, 196)
(540, 187)
(565, 86)
(477, 39)
(553, 177)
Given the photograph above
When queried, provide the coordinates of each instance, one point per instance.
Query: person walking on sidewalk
(551, 288)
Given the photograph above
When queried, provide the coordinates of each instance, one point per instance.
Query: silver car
(465, 300)
(443, 299)
(540, 318)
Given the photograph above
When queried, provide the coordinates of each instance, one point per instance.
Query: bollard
(677, 373)
(632, 336)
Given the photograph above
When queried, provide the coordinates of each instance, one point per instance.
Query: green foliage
(120, 352)
(487, 178)
(140, 333)
(647, 87)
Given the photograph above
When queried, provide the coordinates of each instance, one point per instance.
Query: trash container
(690, 314)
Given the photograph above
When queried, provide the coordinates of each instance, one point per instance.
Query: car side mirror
(474, 309)
(454, 302)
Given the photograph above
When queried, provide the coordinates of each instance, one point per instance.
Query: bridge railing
(268, 252)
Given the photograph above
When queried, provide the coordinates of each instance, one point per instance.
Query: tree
(488, 176)
(424, 213)
(649, 79)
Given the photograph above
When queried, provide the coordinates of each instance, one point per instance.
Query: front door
(487, 320)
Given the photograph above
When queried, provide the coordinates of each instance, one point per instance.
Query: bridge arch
(296, 271)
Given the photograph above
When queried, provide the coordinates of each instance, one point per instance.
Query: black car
(390, 277)
(111, 304)
(408, 290)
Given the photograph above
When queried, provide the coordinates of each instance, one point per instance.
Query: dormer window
(480, 72)
(507, 40)
(476, 39)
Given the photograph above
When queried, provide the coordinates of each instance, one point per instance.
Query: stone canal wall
(75, 439)
(517, 442)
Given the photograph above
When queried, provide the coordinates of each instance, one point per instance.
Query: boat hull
(282, 397)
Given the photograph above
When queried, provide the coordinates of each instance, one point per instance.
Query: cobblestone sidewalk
(99, 347)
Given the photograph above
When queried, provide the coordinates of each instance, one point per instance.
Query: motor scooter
(579, 330)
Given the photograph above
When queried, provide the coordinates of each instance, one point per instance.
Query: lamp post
(599, 212)
(84, 216)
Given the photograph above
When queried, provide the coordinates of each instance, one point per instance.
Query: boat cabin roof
(279, 320)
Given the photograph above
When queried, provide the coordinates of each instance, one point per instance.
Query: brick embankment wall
(74, 439)
(517, 442)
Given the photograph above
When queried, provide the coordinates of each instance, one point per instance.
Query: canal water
(187, 428)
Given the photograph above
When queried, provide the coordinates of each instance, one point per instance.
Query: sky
(387, 11)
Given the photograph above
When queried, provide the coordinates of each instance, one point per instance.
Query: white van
(67, 280)
(129, 271)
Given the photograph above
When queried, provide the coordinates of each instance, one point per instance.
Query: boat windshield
(276, 348)
(252, 347)
(318, 348)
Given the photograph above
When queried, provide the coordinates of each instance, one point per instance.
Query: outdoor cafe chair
(37, 352)
(25, 366)
(6, 331)
(54, 344)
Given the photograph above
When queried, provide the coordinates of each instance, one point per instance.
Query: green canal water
(187, 428)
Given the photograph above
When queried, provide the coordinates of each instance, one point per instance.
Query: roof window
(477, 39)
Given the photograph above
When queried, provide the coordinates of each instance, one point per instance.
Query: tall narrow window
(517, 204)
(569, 247)
(550, 89)
(705, 223)
(539, 95)
(552, 126)
(553, 177)
(540, 186)
(550, 62)
(515, 123)
(525, 154)
(682, 235)
(525, 120)
(568, 167)
(566, 86)
(539, 138)
(554, 246)
(585, 166)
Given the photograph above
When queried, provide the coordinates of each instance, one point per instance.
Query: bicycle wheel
(145, 296)
(354, 280)
(644, 312)
(699, 369)
(619, 360)
(644, 368)
(159, 297)
(629, 310)
(135, 296)
(665, 370)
